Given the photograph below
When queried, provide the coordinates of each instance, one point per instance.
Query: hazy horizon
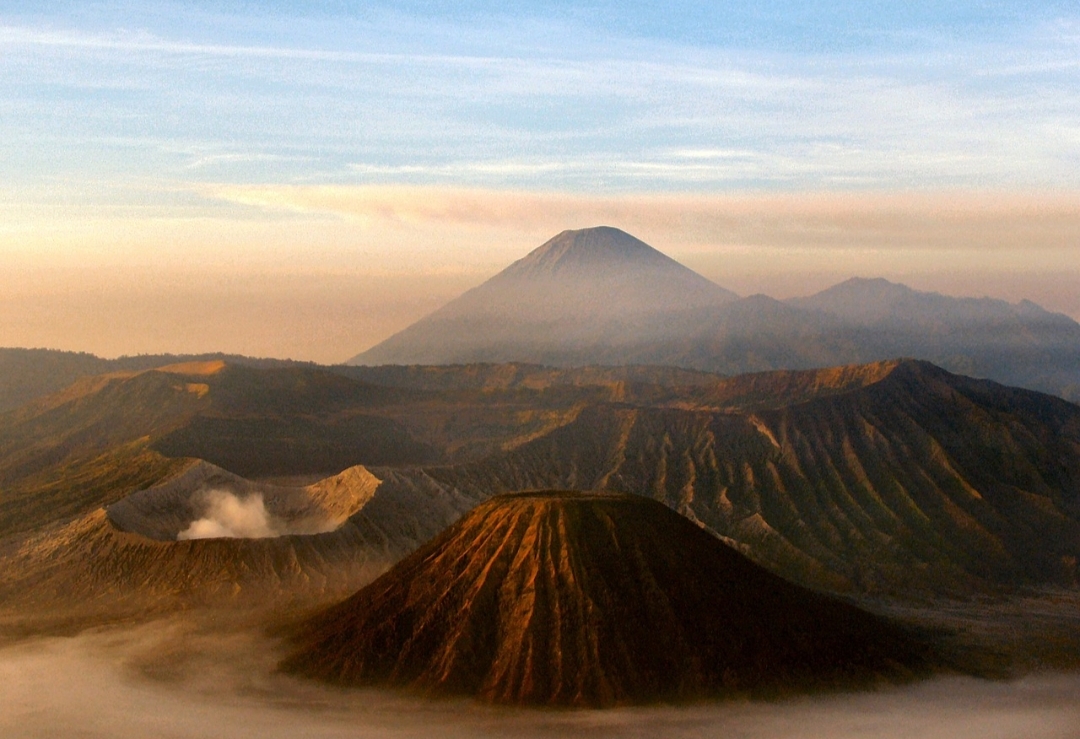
(329, 314)
(301, 179)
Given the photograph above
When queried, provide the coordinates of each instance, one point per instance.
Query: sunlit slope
(106, 436)
(895, 477)
(517, 376)
(591, 599)
(919, 480)
(89, 445)
(26, 374)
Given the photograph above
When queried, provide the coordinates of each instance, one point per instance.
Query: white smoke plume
(229, 516)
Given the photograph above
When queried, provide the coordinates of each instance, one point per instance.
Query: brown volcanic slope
(27, 374)
(592, 599)
(125, 558)
(909, 478)
(90, 507)
(107, 436)
(893, 478)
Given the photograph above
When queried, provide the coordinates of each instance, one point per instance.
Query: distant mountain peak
(868, 281)
(587, 250)
(868, 287)
(593, 287)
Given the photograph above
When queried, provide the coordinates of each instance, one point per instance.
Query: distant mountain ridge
(872, 301)
(601, 296)
(26, 374)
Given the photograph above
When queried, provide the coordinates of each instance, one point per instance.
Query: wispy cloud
(141, 41)
(926, 222)
(451, 102)
(210, 160)
(456, 169)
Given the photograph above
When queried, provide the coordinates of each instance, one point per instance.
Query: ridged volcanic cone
(592, 599)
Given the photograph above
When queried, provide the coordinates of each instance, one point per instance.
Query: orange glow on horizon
(322, 272)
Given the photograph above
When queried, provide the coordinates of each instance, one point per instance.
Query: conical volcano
(592, 599)
(581, 293)
(602, 252)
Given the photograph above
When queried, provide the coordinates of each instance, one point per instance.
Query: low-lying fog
(172, 680)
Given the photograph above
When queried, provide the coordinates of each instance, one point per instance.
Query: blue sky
(421, 138)
(585, 97)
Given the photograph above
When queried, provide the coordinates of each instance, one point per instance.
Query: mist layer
(168, 680)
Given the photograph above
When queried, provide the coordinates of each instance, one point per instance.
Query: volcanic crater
(206, 502)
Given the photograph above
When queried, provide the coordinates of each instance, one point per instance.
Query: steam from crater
(232, 517)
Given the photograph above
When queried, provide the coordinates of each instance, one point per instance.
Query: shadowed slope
(27, 374)
(592, 599)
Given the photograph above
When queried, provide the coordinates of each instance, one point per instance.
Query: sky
(301, 179)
